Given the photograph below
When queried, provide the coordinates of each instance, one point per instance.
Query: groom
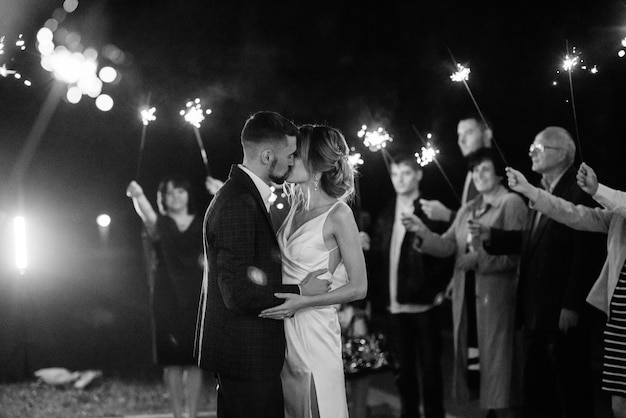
(243, 272)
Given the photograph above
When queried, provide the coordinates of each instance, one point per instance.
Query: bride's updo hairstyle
(324, 150)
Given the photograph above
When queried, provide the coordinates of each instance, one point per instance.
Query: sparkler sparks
(570, 62)
(427, 156)
(193, 113)
(355, 159)
(374, 140)
(462, 73)
(147, 116)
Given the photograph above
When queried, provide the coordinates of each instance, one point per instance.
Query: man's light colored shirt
(397, 236)
(263, 187)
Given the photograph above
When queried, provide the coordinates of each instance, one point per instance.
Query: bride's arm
(346, 233)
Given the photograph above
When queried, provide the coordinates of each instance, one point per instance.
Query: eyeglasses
(540, 148)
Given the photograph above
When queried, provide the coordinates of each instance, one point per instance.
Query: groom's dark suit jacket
(241, 249)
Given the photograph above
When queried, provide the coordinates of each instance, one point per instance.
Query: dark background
(344, 63)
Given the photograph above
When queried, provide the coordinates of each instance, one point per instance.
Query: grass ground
(108, 397)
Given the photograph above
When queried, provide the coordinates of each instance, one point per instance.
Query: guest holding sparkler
(407, 288)
(557, 269)
(176, 233)
(473, 134)
(609, 290)
(489, 315)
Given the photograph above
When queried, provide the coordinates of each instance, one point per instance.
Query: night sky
(341, 63)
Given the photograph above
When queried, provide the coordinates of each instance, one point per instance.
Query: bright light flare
(462, 73)
(103, 220)
(147, 115)
(374, 140)
(19, 225)
(427, 156)
(355, 160)
(570, 62)
(104, 102)
(107, 74)
(193, 113)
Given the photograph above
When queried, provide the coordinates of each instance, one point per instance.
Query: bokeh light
(104, 102)
(103, 220)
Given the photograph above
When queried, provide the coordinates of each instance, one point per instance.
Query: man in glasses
(558, 266)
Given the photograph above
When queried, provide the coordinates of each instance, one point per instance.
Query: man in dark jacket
(407, 288)
(242, 274)
(558, 266)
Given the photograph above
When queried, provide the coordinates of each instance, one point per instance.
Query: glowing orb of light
(70, 5)
(427, 156)
(429, 135)
(193, 113)
(107, 74)
(74, 94)
(355, 160)
(147, 115)
(51, 24)
(104, 102)
(621, 53)
(257, 276)
(462, 73)
(374, 140)
(20, 42)
(570, 62)
(4, 71)
(624, 42)
(44, 35)
(594, 70)
(279, 206)
(103, 220)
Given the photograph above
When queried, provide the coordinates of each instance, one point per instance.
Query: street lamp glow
(19, 224)
(103, 220)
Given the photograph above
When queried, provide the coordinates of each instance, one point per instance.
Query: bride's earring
(316, 183)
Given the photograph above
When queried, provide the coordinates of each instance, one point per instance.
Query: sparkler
(147, 116)
(355, 161)
(194, 115)
(427, 156)
(377, 141)
(569, 63)
(6, 72)
(427, 153)
(461, 76)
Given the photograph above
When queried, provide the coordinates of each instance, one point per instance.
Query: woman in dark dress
(176, 233)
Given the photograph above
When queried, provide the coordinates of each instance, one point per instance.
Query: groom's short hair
(267, 126)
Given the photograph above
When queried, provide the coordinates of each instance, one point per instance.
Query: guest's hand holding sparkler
(480, 232)
(435, 210)
(134, 189)
(413, 224)
(213, 185)
(518, 183)
(587, 179)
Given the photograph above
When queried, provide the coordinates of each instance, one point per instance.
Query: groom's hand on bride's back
(311, 285)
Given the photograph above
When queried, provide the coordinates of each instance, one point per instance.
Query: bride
(319, 233)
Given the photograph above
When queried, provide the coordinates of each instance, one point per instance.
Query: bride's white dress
(313, 355)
